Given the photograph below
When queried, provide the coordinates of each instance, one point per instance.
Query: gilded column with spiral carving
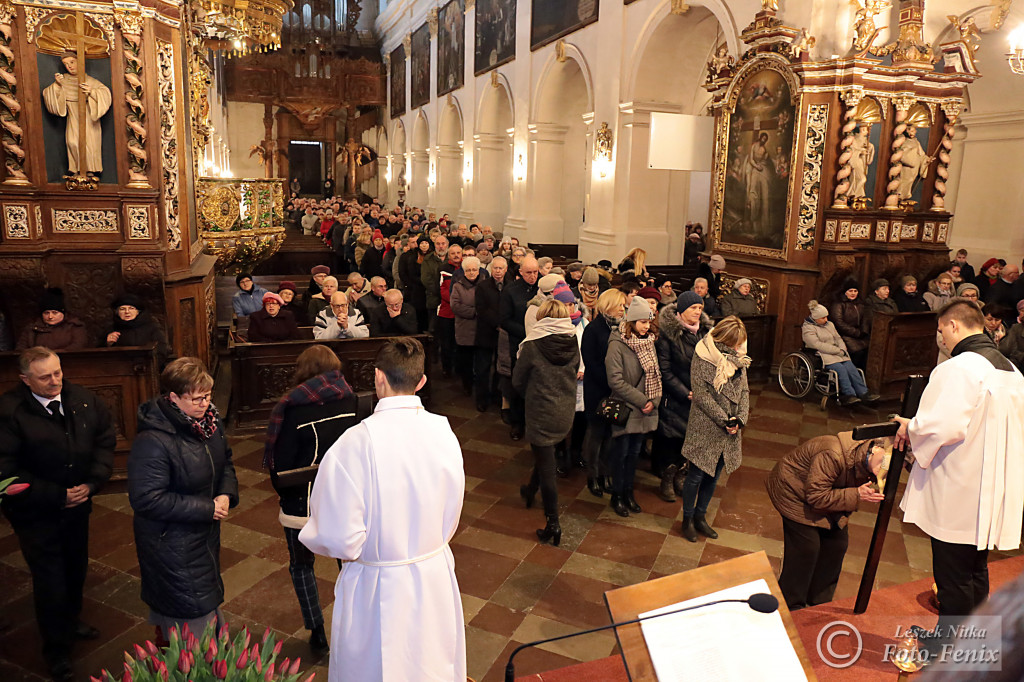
(11, 134)
(130, 24)
(892, 199)
(851, 98)
(952, 112)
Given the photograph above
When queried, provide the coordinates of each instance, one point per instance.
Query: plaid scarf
(323, 388)
(203, 428)
(648, 357)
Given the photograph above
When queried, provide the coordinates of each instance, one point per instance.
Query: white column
(492, 178)
(544, 221)
(418, 192)
(448, 187)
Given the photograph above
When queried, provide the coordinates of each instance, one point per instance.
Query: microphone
(761, 602)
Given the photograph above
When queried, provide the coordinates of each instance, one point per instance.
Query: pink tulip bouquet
(207, 658)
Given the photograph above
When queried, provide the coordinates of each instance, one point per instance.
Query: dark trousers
(595, 445)
(464, 365)
(483, 364)
(57, 554)
(624, 453)
(961, 576)
(812, 559)
(543, 477)
(445, 332)
(300, 566)
(578, 434)
(698, 489)
(516, 405)
(665, 451)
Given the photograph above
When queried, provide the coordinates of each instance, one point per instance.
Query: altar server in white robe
(966, 489)
(387, 498)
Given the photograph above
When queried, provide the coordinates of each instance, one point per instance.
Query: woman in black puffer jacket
(680, 325)
(181, 483)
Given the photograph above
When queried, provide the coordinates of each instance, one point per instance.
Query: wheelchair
(803, 371)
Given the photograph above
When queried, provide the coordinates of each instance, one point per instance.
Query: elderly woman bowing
(816, 488)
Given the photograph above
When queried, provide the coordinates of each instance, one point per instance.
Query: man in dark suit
(393, 317)
(58, 438)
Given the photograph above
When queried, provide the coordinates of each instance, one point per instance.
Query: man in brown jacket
(815, 488)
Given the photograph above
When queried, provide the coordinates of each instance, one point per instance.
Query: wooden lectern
(627, 603)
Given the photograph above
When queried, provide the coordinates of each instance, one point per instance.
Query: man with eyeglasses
(339, 320)
(59, 438)
(394, 317)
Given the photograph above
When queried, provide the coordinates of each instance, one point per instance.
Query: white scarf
(725, 365)
(547, 327)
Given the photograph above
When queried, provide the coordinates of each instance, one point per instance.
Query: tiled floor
(514, 590)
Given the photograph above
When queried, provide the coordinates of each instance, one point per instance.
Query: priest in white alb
(387, 499)
(966, 489)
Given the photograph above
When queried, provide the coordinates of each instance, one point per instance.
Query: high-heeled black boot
(631, 504)
(618, 505)
(552, 532)
(527, 495)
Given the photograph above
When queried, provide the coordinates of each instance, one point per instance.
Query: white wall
(245, 128)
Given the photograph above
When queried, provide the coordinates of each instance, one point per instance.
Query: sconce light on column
(519, 171)
(603, 150)
(467, 172)
(432, 178)
(387, 171)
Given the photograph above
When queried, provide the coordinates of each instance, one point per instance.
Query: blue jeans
(699, 488)
(623, 455)
(850, 382)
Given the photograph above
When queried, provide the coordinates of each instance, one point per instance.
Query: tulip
(161, 669)
(94, 679)
(16, 488)
(310, 678)
(186, 631)
(211, 651)
(140, 653)
(242, 660)
(294, 670)
(277, 647)
(220, 669)
(127, 658)
(284, 666)
(127, 677)
(223, 634)
(266, 633)
(270, 673)
(151, 648)
(183, 664)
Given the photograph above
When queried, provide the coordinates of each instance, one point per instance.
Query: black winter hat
(851, 283)
(128, 299)
(52, 299)
(879, 283)
(240, 276)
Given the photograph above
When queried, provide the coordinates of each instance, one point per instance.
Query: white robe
(62, 100)
(967, 484)
(388, 497)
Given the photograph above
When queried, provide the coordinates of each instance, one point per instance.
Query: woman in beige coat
(821, 335)
(815, 488)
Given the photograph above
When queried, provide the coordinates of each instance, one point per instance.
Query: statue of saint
(61, 98)
(863, 153)
(915, 162)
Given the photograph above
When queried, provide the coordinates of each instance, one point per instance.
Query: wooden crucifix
(911, 401)
(80, 43)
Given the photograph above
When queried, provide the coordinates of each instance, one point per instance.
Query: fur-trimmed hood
(669, 325)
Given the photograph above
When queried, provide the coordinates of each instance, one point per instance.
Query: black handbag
(615, 412)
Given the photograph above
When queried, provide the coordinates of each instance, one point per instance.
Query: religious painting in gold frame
(755, 145)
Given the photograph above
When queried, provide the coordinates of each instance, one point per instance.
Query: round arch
(551, 69)
(492, 154)
(491, 98)
(450, 127)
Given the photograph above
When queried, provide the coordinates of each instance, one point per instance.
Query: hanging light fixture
(1015, 57)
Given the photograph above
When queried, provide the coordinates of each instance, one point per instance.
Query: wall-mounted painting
(419, 63)
(754, 169)
(553, 19)
(451, 47)
(397, 61)
(495, 34)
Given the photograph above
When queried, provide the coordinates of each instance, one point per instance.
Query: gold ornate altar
(836, 168)
(241, 220)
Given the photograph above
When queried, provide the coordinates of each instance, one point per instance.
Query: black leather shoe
(61, 670)
(631, 504)
(700, 524)
(688, 530)
(869, 397)
(516, 433)
(318, 640)
(607, 483)
(577, 461)
(524, 492)
(595, 488)
(83, 631)
(618, 505)
(849, 400)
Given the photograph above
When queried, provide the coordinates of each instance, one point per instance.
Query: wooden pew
(261, 373)
(760, 343)
(123, 378)
(901, 345)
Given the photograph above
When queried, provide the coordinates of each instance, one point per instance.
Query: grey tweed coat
(626, 380)
(706, 438)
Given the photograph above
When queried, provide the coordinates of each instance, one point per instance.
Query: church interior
(167, 151)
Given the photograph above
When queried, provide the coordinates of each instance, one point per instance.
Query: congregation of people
(593, 365)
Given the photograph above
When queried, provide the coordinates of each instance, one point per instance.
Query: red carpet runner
(908, 604)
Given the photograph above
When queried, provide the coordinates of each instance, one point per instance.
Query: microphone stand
(510, 668)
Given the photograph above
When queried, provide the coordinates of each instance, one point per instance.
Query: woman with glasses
(134, 326)
(181, 483)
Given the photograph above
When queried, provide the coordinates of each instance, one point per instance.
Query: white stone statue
(863, 153)
(915, 162)
(61, 99)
